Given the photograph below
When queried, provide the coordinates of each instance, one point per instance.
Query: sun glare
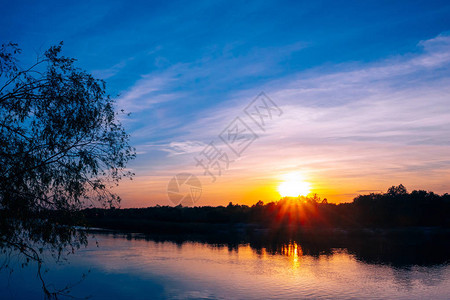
(294, 186)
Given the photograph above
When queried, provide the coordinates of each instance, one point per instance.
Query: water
(125, 267)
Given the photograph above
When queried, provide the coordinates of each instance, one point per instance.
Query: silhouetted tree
(397, 190)
(259, 203)
(289, 214)
(61, 148)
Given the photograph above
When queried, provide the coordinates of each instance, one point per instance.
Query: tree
(61, 149)
(397, 190)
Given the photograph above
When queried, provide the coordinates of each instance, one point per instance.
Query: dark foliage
(394, 209)
(61, 148)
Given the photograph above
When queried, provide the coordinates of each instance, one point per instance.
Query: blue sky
(366, 80)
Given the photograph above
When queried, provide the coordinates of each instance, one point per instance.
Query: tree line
(395, 208)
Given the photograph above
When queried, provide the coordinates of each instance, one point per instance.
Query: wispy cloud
(111, 71)
(149, 90)
(343, 129)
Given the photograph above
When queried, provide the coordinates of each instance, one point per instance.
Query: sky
(358, 91)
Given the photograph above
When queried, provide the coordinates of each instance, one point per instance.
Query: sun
(294, 186)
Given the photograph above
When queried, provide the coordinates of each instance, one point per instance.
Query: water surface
(129, 267)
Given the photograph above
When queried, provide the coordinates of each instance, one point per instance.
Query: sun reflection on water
(294, 252)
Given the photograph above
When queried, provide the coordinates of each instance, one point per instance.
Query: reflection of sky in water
(136, 269)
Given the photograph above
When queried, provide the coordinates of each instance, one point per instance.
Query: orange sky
(349, 130)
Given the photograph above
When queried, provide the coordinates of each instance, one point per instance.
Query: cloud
(185, 147)
(110, 72)
(365, 127)
(357, 123)
(148, 91)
